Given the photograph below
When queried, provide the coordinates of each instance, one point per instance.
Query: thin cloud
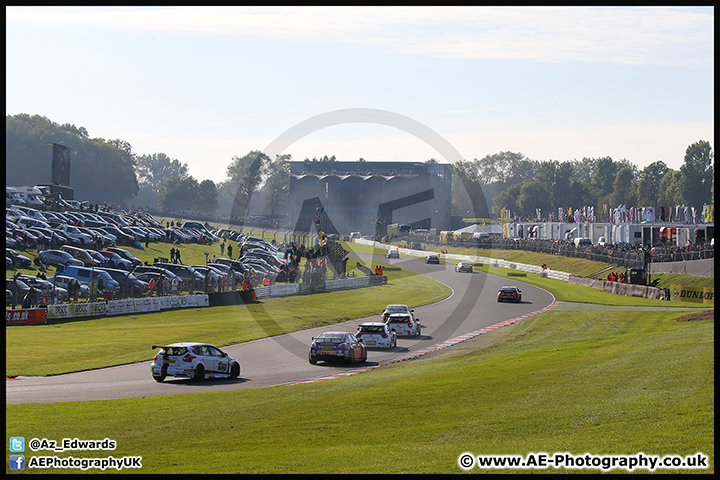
(670, 36)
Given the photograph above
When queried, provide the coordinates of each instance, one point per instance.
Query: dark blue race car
(337, 346)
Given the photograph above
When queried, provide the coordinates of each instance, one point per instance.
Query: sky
(205, 84)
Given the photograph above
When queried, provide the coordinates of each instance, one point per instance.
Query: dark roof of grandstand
(364, 169)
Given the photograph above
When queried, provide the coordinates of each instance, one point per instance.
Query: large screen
(60, 164)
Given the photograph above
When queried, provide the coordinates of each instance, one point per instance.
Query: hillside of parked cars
(85, 252)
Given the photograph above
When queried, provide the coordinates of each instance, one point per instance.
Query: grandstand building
(340, 197)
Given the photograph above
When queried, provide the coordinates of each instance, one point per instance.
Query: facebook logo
(17, 462)
(17, 444)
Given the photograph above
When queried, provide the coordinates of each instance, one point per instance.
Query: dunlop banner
(692, 294)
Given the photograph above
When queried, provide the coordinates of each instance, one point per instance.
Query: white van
(86, 276)
(582, 241)
(32, 196)
(12, 197)
(354, 235)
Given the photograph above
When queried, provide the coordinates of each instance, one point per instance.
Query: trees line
(109, 171)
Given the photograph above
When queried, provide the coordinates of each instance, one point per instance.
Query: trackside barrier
(25, 316)
(687, 294)
(235, 297)
(282, 290)
(495, 262)
(70, 310)
(125, 306)
(154, 304)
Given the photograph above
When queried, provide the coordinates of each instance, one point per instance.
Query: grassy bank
(596, 382)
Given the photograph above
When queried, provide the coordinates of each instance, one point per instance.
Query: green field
(591, 382)
(599, 381)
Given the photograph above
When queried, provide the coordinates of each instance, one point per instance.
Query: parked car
(82, 255)
(63, 281)
(158, 271)
(511, 293)
(126, 255)
(202, 229)
(197, 361)
(110, 237)
(104, 262)
(234, 264)
(213, 275)
(432, 258)
(25, 235)
(16, 287)
(31, 212)
(464, 267)
(57, 237)
(122, 238)
(337, 346)
(26, 222)
(58, 257)
(376, 334)
(47, 287)
(116, 261)
(227, 270)
(102, 238)
(129, 283)
(147, 276)
(190, 278)
(18, 260)
(75, 235)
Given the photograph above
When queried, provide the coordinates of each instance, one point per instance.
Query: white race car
(376, 334)
(404, 324)
(395, 308)
(197, 361)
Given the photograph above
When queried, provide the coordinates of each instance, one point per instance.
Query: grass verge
(596, 382)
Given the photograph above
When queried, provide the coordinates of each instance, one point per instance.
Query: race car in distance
(464, 267)
(392, 254)
(510, 293)
(337, 346)
(404, 324)
(196, 361)
(376, 334)
(432, 258)
(396, 308)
